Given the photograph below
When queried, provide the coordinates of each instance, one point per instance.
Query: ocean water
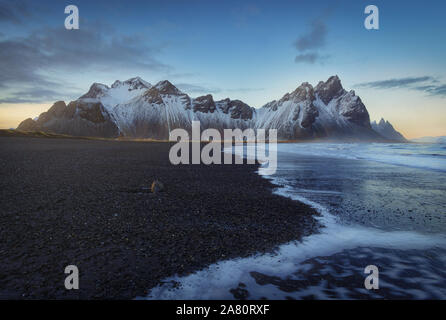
(379, 204)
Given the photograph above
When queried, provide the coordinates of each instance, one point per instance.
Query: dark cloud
(310, 43)
(36, 67)
(17, 99)
(394, 83)
(94, 46)
(307, 58)
(314, 39)
(36, 94)
(27, 62)
(434, 90)
(13, 12)
(426, 84)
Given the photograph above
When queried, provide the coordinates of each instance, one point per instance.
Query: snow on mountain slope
(327, 111)
(119, 92)
(164, 107)
(135, 108)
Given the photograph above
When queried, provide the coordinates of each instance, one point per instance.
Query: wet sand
(88, 203)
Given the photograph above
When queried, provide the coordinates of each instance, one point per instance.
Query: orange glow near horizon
(12, 114)
(428, 124)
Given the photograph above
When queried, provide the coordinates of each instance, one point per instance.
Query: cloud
(33, 95)
(426, 84)
(13, 12)
(394, 83)
(28, 62)
(38, 65)
(193, 88)
(310, 43)
(314, 39)
(434, 90)
(307, 58)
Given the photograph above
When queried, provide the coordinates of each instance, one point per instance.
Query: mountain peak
(132, 83)
(165, 87)
(115, 84)
(386, 129)
(330, 89)
(334, 78)
(304, 91)
(134, 108)
(204, 104)
(96, 90)
(138, 83)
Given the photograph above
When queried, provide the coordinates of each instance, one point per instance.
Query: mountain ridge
(137, 109)
(386, 129)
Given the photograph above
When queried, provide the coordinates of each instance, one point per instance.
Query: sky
(255, 51)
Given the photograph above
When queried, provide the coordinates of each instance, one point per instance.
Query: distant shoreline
(41, 134)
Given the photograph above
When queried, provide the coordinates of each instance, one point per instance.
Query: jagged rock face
(92, 112)
(165, 87)
(133, 84)
(163, 107)
(305, 96)
(153, 96)
(386, 129)
(97, 90)
(329, 90)
(322, 112)
(204, 104)
(309, 115)
(77, 119)
(135, 108)
(292, 115)
(57, 110)
(304, 92)
(348, 104)
(27, 125)
(351, 107)
(236, 109)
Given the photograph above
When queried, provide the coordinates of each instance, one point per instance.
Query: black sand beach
(88, 203)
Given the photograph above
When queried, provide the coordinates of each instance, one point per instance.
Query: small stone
(157, 186)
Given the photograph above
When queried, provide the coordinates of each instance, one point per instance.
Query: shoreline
(360, 226)
(88, 203)
(41, 134)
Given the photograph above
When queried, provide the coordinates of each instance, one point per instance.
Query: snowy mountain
(324, 111)
(385, 129)
(135, 108)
